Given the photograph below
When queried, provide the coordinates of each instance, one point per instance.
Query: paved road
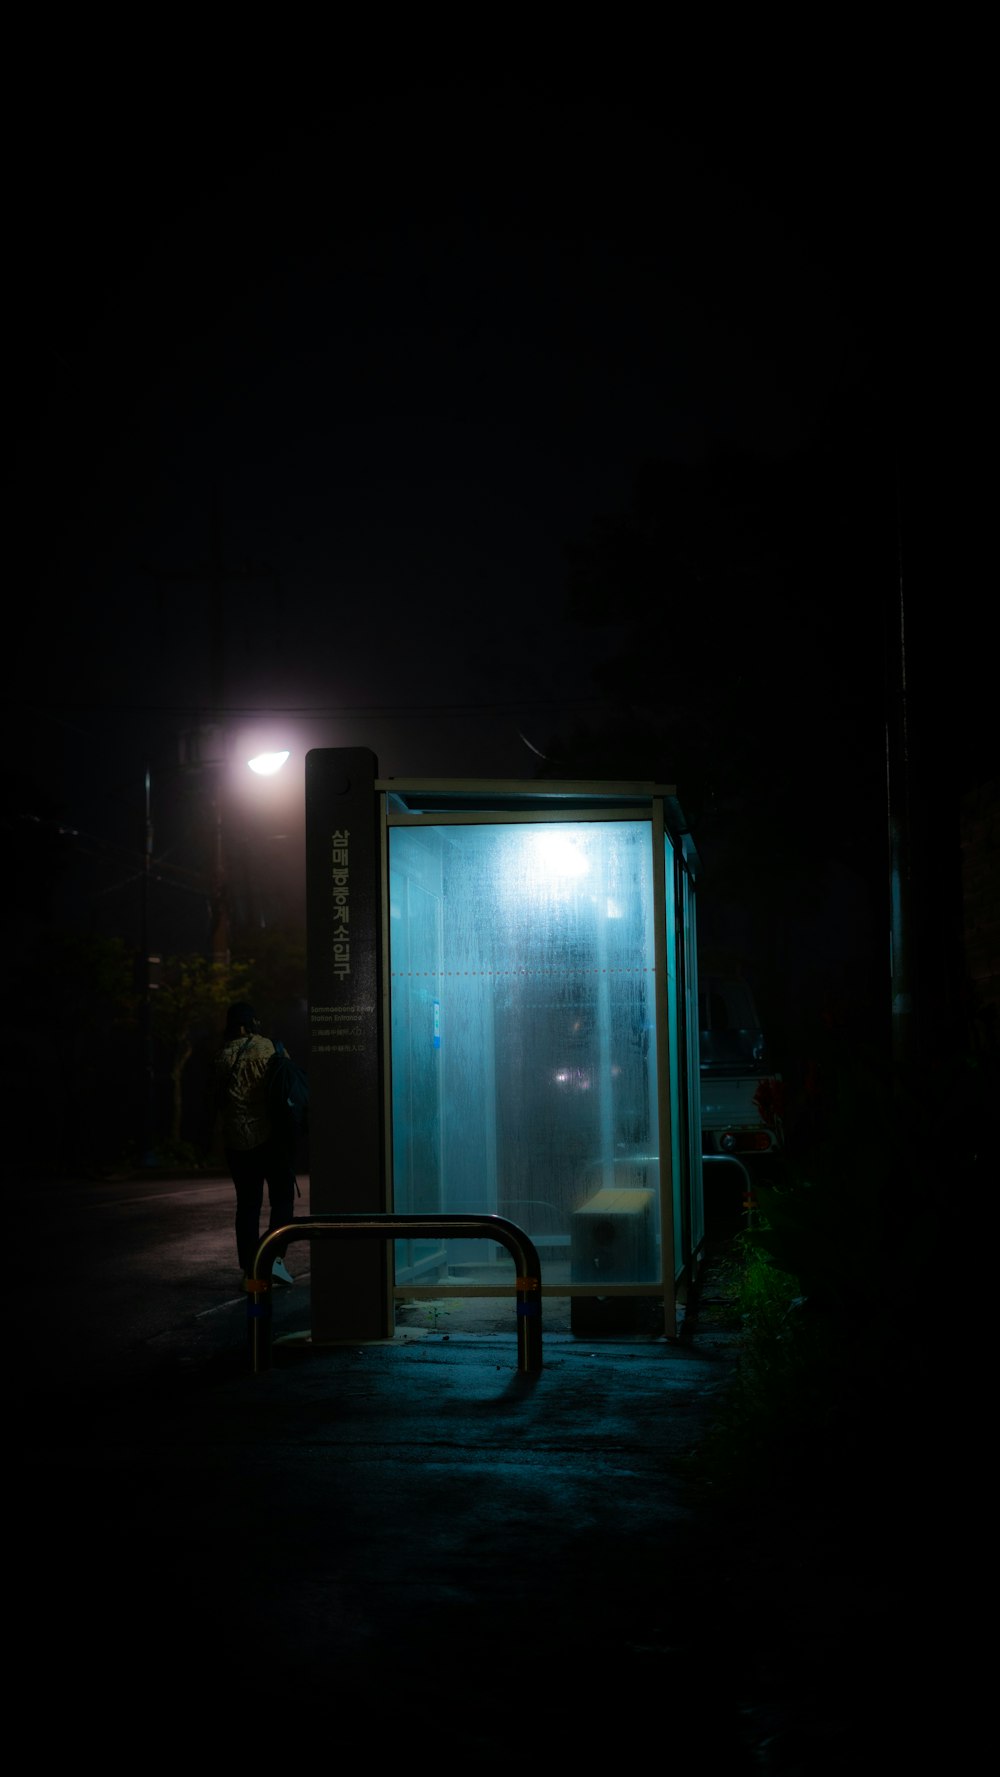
(119, 1278)
(406, 1550)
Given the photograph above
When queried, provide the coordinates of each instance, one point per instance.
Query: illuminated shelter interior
(538, 1037)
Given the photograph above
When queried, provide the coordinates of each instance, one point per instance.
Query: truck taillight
(746, 1141)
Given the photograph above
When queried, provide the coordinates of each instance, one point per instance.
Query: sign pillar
(351, 1280)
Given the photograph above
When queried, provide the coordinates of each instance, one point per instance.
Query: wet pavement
(411, 1549)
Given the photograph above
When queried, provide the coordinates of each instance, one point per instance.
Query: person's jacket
(240, 1073)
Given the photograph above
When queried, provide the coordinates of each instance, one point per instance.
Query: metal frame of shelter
(352, 815)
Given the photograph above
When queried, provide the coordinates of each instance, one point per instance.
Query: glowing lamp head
(266, 764)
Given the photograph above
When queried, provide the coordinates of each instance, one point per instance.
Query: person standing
(255, 1154)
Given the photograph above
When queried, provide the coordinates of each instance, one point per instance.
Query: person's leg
(247, 1171)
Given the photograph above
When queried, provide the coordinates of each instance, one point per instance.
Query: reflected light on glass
(577, 1077)
(266, 764)
(557, 855)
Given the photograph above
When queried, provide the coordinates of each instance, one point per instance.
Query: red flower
(770, 1101)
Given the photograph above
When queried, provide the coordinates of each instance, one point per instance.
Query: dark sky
(408, 348)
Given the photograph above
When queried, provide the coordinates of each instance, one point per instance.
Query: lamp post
(263, 765)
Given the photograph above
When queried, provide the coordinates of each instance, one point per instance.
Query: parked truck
(741, 1094)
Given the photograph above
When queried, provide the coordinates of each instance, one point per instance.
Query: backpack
(287, 1090)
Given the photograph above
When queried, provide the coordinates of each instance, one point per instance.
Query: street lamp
(196, 752)
(266, 764)
(263, 765)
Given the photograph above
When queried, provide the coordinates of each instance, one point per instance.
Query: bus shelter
(503, 1020)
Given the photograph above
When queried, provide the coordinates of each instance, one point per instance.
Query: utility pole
(220, 884)
(147, 1154)
(898, 793)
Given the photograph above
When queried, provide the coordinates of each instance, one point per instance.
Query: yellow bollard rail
(392, 1227)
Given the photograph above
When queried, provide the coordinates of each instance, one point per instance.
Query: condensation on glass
(522, 986)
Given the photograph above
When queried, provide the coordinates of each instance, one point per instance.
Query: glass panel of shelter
(523, 1044)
